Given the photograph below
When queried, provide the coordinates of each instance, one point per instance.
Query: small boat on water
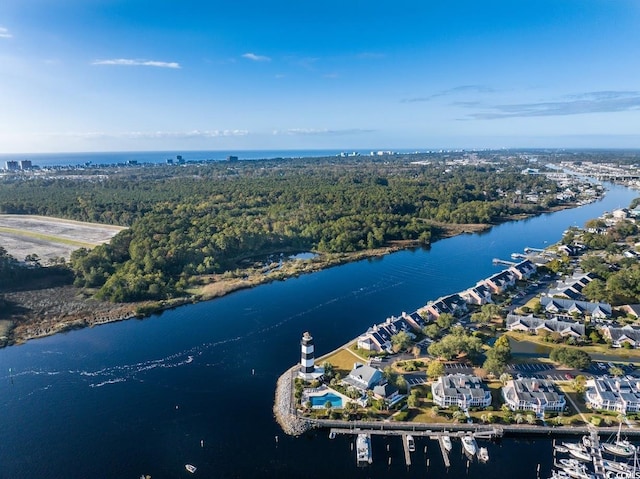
(483, 454)
(559, 475)
(446, 442)
(363, 450)
(469, 445)
(559, 448)
(411, 443)
(332, 435)
(572, 445)
(581, 454)
(191, 468)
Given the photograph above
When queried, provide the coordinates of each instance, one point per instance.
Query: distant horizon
(360, 150)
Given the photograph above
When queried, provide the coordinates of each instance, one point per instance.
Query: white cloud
(146, 135)
(4, 33)
(137, 63)
(320, 131)
(256, 58)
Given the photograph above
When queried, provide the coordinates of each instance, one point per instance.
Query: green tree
(435, 369)
(400, 341)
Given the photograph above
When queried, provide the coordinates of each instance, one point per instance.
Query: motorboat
(483, 454)
(332, 435)
(411, 443)
(446, 442)
(570, 464)
(363, 450)
(191, 468)
(559, 475)
(572, 445)
(469, 445)
(559, 448)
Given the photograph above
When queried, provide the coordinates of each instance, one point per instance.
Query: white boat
(446, 443)
(617, 467)
(469, 444)
(619, 447)
(191, 468)
(411, 444)
(483, 454)
(561, 448)
(570, 463)
(363, 450)
(332, 435)
(559, 475)
(573, 445)
(581, 454)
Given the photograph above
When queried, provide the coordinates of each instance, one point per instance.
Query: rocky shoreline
(289, 422)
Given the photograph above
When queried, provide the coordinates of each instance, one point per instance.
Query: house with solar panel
(532, 394)
(462, 390)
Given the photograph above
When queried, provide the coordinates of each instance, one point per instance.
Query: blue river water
(139, 396)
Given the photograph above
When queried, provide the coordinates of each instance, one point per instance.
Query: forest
(208, 218)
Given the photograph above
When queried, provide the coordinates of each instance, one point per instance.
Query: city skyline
(139, 75)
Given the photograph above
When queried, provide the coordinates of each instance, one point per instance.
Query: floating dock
(407, 453)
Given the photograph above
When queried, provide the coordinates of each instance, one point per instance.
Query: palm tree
(531, 419)
(518, 418)
(504, 377)
(457, 415)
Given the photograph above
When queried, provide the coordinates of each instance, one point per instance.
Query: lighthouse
(308, 370)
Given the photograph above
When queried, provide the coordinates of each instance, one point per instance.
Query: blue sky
(123, 75)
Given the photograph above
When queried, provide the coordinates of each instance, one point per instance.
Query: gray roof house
(536, 325)
(531, 394)
(558, 305)
(620, 336)
(524, 269)
(613, 394)
(479, 294)
(364, 377)
(462, 390)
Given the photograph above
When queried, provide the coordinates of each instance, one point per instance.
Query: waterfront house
(619, 336)
(533, 325)
(613, 394)
(479, 294)
(387, 392)
(462, 390)
(523, 270)
(531, 394)
(500, 282)
(378, 337)
(364, 377)
(453, 304)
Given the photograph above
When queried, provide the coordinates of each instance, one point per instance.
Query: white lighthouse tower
(308, 369)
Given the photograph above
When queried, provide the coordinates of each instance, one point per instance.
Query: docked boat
(617, 467)
(483, 454)
(619, 447)
(411, 443)
(363, 450)
(559, 475)
(469, 445)
(570, 464)
(332, 435)
(581, 454)
(446, 443)
(559, 448)
(191, 468)
(572, 445)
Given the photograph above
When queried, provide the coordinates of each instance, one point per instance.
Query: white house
(613, 394)
(462, 390)
(531, 394)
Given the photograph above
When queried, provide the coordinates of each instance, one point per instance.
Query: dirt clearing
(50, 238)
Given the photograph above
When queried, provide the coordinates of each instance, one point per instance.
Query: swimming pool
(320, 401)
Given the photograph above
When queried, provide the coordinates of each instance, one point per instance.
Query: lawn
(342, 361)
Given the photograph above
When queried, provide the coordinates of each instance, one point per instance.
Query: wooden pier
(407, 453)
(596, 454)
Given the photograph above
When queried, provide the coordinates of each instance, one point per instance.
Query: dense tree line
(204, 219)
